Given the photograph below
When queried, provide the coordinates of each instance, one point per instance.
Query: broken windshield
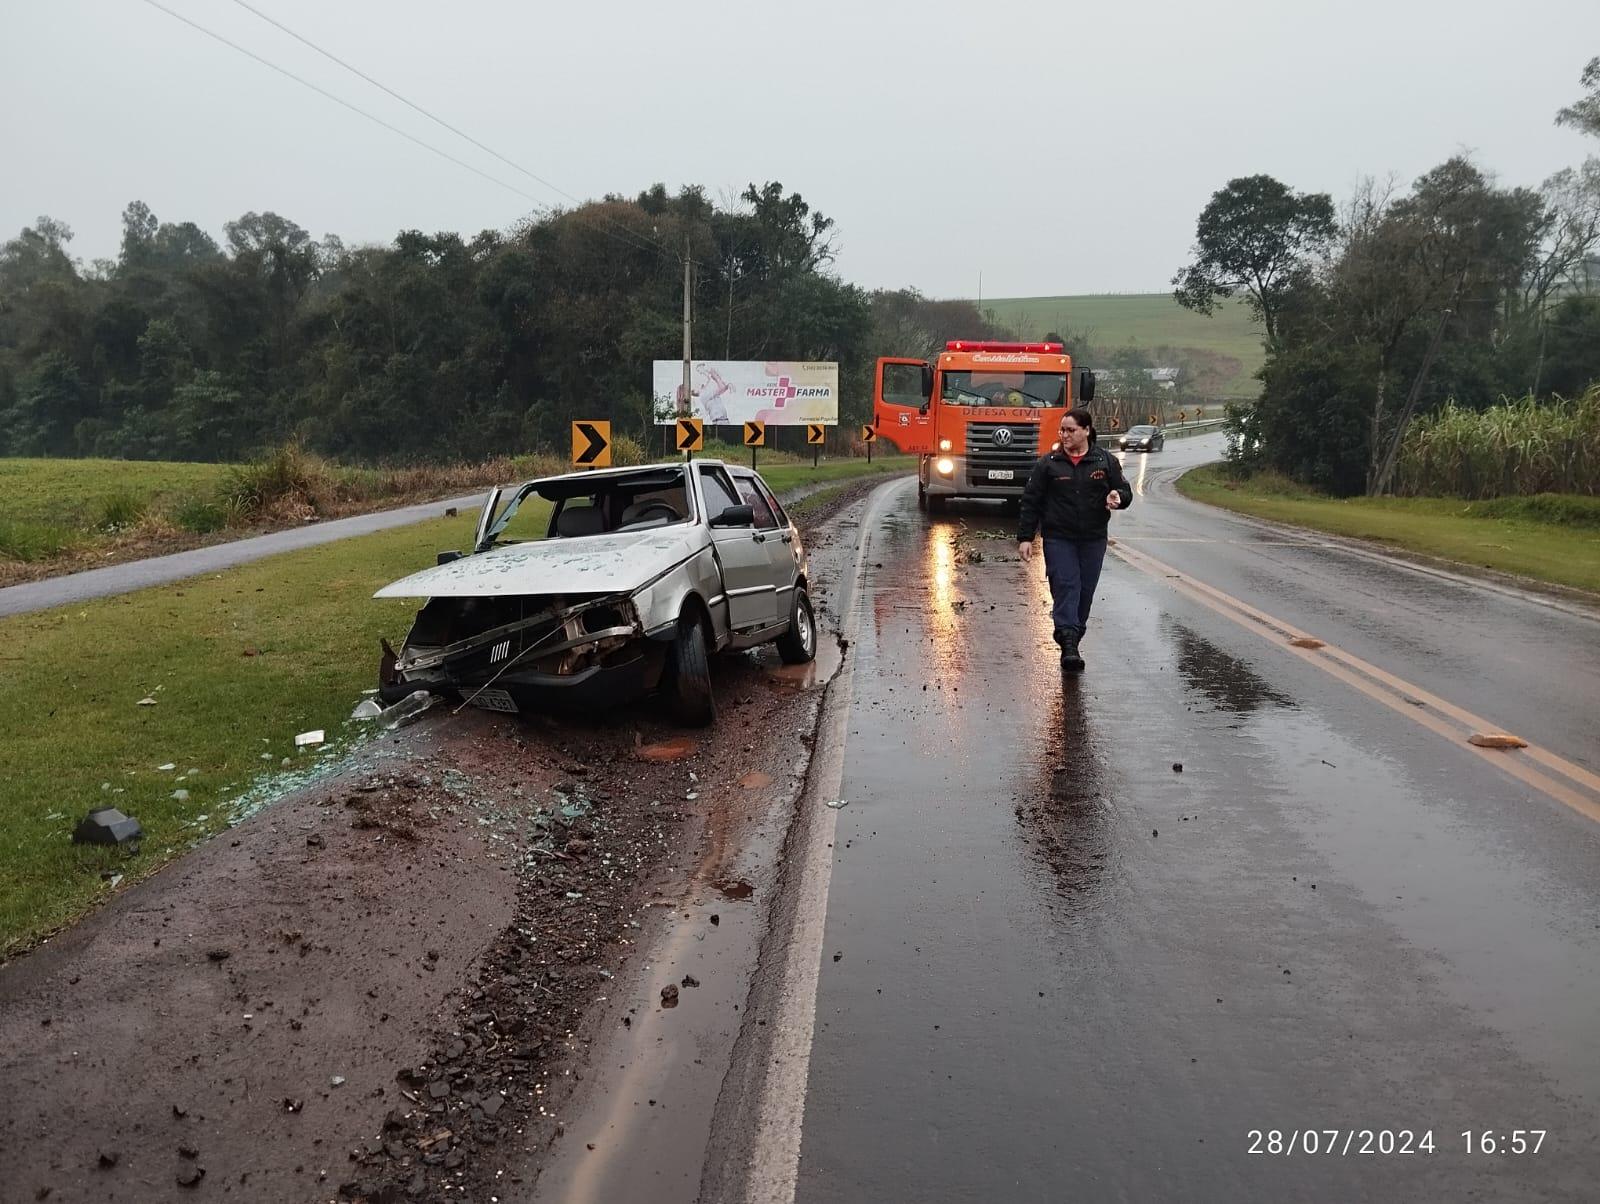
(595, 504)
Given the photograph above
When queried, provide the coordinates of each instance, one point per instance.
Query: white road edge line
(780, 1113)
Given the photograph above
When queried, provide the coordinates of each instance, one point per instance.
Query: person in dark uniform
(1069, 497)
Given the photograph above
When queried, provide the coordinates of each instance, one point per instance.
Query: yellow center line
(1421, 706)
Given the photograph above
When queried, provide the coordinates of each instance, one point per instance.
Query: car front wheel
(688, 692)
(798, 645)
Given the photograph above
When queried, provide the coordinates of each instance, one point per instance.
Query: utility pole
(686, 406)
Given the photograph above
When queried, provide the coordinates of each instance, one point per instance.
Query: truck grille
(984, 453)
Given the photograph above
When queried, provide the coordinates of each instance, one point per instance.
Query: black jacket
(1069, 500)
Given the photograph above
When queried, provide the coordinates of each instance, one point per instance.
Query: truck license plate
(494, 700)
(1000, 474)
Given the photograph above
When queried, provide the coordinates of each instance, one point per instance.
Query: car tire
(798, 644)
(688, 692)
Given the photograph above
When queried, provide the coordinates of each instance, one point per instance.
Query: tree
(1255, 235)
(51, 402)
(1584, 114)
(1572, 351)
(1446, 259)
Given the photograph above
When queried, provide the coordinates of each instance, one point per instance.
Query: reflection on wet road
(1056, 966)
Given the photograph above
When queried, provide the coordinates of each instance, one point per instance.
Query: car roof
(577, 484)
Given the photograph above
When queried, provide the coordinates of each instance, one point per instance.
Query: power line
(341, 101)
(437, 120)
(538, 204)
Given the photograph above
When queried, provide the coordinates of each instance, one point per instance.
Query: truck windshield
(1034, 390)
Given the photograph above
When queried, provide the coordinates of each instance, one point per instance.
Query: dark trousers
(1072, 568)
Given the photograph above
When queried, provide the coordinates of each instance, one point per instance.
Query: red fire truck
(978, 416)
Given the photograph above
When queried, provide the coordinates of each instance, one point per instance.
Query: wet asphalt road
(1055, 969)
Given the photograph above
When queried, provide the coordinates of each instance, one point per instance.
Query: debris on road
(307, 739)
(407, 709)
(367, 708)
(838, 802)
(1307, 641)
(107, 825)
(669, 996)
(146, 702)
(1177, 767)
(1496, 740)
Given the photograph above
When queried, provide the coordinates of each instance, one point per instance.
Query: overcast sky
(1052, 147)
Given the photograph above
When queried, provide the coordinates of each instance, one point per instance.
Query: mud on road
(387, 986)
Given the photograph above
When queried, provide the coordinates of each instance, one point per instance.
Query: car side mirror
(927, 384)
(447, 557)
(1085, 385)
(735, 516)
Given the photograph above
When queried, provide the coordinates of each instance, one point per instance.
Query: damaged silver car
(640, 575)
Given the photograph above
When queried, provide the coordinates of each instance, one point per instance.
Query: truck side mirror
(927, 384)
(1085, 385)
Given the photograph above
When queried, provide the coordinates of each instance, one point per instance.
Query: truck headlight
(945, 465)
(945, 445)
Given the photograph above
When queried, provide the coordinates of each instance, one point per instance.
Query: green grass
(238, 663)
(81, 493)
(1148, 320)
(1552, 538)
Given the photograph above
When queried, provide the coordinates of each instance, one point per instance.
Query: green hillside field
(1148, 320)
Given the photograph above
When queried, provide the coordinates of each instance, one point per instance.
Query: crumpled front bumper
(550, 658)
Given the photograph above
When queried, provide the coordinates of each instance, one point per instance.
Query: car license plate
(1000, 474)
(494, 700)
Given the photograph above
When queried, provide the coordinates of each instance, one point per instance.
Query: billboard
(731, 392)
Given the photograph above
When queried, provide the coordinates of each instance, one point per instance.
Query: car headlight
(945, 465)
(945, 445)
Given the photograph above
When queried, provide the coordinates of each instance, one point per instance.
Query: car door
(901, 390)
(751, 594)
(485, 517)
(783, 548)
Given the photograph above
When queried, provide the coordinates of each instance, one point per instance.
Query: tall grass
(1514, 449)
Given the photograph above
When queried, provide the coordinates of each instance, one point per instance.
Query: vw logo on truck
(1003, 437)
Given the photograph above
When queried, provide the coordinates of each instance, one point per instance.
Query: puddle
(736, 888)
(675, 749)
(818, 673)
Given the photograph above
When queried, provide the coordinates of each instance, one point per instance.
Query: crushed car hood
(594, 564)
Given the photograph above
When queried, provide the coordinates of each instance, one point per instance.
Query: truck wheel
(688, 691)
(936, 503)
(798, 645)
(922, 496)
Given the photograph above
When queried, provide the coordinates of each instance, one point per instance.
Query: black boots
(1071, 662)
